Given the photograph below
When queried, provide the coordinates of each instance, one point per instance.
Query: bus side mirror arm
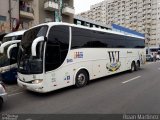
(34, 44)
(45, 39)
(6, 44)
(9, 49)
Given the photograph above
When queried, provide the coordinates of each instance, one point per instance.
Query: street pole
(58, 13)
(60, 10)
(10, 15)
(148, 39)
(55, 13)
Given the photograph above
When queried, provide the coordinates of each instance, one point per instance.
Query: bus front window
(4, 60)
(28, 64)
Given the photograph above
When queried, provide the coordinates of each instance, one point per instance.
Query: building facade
(140, 15)
(97, 12)
(79, 20)
(33, 12)
(5, 21)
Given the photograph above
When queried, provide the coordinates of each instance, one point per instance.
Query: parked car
(149, 57)
(3, 94)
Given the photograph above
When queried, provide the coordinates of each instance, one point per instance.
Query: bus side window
(57, 47)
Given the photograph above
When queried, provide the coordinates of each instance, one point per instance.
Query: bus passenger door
(52, 62)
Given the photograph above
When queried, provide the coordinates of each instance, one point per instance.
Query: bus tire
(133, 67)
(81, 79)
(138, 66)
(1, 102)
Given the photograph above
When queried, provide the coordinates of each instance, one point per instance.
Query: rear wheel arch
(138, 64)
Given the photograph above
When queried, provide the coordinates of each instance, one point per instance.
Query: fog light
(37, 81)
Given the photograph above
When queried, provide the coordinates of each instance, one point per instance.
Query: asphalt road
(137, 92)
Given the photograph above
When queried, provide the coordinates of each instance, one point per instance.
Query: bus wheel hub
(81, 79)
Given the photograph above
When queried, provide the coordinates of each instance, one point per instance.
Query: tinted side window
(59, 35)
(109, 40)
(141, 43)
(81, 38)
(128, 42)
(135, 42)
(121, 43)
(52, 59)
(57, 47)
(99, 39)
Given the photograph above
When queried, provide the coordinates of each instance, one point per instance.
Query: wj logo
(114, 64)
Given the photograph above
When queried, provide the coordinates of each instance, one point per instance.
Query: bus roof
(50, 24)
(15, 33)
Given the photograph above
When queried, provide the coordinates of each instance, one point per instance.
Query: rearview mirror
(6, 44)
(34, 44)
(9, 50)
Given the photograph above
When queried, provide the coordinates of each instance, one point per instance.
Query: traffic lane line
(131, 79)
(15, 94)
(148, 63)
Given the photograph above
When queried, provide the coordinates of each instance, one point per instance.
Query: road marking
(131, 79)
(15, 94)
(148, 63)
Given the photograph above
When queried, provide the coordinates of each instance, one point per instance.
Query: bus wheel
(138, 66)
(81, 78)
(1, 102)
(133, 67)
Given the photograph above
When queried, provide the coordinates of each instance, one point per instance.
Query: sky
(84, 5)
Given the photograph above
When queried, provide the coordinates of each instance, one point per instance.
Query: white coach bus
(57, 55)
(8, 56)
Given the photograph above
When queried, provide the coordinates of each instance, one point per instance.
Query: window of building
(2, 19)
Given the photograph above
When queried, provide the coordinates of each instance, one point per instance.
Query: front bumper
(32, 87)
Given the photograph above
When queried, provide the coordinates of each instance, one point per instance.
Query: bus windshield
(28, 64)
(4, 61)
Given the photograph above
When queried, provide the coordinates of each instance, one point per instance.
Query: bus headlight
(37, 81)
